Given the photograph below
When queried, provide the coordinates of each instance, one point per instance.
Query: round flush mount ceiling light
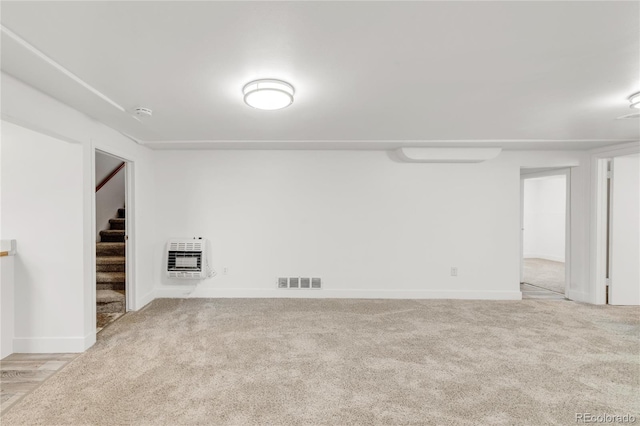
(268, 94)
(634, 100)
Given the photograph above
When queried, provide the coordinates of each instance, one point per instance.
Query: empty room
(320, 212)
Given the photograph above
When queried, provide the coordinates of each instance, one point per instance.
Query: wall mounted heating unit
(189, 258)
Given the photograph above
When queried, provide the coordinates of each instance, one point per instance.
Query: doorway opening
(544, 271)
(111, 238)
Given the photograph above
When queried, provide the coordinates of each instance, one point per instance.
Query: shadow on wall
(111, 196)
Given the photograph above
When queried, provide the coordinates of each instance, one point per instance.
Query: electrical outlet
(454, 271)
(225, 271)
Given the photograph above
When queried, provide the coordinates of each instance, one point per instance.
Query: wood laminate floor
(22, 373)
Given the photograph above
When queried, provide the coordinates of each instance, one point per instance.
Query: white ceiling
(367, 74)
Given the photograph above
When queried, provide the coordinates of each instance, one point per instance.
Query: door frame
(130, 287)
(561, 171)
(598, 255)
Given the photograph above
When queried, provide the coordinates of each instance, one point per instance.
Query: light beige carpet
(348, 362)
(545, 273)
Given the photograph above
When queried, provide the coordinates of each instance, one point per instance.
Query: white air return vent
(302, 283)
(188, 258)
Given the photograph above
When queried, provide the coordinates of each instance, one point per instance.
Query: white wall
(7, 301)
(545, 217)
(381, 228)
(42, 209)
(111, 196)
(369, 226)
(105, 164)
(109, 199)
(68, 135)
(625, 231)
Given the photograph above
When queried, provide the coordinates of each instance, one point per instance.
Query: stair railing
(111, 175)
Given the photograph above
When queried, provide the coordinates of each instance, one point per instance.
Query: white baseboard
(6, 350)
(89, 340)
(171, 292)
(38, 345)
(579, 296)
(143, 301)
(544, 256)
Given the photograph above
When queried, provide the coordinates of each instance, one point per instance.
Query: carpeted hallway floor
(544, 273)
(348, 362)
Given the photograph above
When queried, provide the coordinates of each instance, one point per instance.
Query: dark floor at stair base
(104, 319)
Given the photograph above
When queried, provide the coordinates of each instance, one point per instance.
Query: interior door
(624, 288)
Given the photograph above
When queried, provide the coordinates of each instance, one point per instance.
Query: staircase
(111, 267)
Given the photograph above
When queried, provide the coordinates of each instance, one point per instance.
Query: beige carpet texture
(348, 362)
(545, 273)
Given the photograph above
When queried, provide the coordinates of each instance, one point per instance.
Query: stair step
(110, 277)
(109, 249)
(121, 213)
(110, 264)
(109, 301)
(117, 223)
(110, 286)
(112, 235)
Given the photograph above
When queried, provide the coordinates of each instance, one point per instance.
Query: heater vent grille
(184, 261)
(196, 246)
(188, 258)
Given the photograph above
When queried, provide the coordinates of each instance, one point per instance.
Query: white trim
(560, 171)
(598, 222)
(521, 228)
(41, 345)
(90, 239)
(578, 296)
(169, 292)
(130, 252)
(557, 171)
(37, 52)
(404, 142)
(34, 127)
(89, 340)
(446, 155)
(145, 300)
(130, 242)
(629, 147)
(567, 235)
(7, 304)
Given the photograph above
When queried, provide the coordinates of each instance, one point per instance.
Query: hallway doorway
(544, 219)
(111, 236)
